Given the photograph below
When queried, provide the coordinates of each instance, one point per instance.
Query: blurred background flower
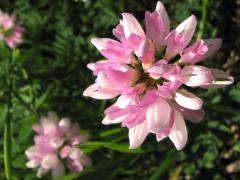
(10, 30)
(56, 141)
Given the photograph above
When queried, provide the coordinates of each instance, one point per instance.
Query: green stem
(7, 146)
(203, 19)
(7, 126)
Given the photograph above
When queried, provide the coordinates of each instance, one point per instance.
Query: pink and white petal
(174, 43)
(49, 126)
(155, 29)
(32, 164)
(94, 92)
(37, 128)
(186, 29)
(164, 15)
(159, 70)
(115, 112)
(50, 161)
(64, 124)
(65, 152)
(58, 171)
(77, 139)
(75, 153)
(119, 32)
(178, 134)
(163, 134)
(222, 79)
(195, 53)
(131, 25)
(86, 160)
(116, 80)
(179, 38)
(108, 121)
(104, 79)
(43, 145)
(146, 53)
(157, 25)
(133, 44)
(188, 100)
(194, 116)
(74, 140)
(137, 135)
(31, 152)
(74, 165)
(149, 98)
(213, 46)
(101, 43)
(194, 76)
(41, 171)
(219, 74)
(164, 91)
(11, 43)
(99, 66)
(56, 142)
(115, 51)
(135, 118)
(124, 100)
(218, 84)
(158, 116)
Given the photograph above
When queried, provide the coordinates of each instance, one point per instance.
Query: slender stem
(7, 126)
(203, 19)
(7, 145)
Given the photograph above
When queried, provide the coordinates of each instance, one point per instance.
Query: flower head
(10, 31)
(56, 141)
(148, 73)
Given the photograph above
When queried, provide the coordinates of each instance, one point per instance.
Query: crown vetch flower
(148, 72)
(10, 31)
(56, 142)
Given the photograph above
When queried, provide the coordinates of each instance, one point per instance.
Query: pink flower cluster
(56, 142)
(148, 71)
(10, 31)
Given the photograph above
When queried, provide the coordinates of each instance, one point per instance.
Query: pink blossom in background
(10, 31)
(55, 143)
(148, 72)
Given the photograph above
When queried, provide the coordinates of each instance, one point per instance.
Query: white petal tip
(159, 6)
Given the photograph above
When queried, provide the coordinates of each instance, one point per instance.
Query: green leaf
(113, 146)
(218, 125)
(110, 132)
(236, 147)
(235, 95)
(41, 100)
